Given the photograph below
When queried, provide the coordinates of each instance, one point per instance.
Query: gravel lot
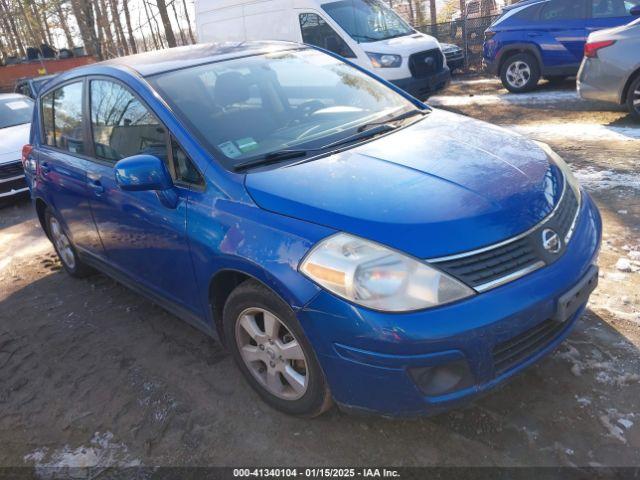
(93, 374)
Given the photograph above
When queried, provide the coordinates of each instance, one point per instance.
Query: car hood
(443, 185)
(12, 139)
(404, 46)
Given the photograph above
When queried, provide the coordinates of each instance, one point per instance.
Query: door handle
(97, 187)
(44, 168)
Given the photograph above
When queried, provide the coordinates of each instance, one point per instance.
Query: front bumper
(367, 356)
(424, 86)
(12, 180)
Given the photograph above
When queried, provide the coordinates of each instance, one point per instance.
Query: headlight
(564, 168)
(384, 60)
(377, 277)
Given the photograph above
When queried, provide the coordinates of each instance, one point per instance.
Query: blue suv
(346, 242)
(545, 38)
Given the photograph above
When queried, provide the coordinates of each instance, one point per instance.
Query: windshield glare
(367, 20)
(249, 107)
(15, 111)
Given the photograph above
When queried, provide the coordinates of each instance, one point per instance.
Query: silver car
(15, 122)
(610, 70)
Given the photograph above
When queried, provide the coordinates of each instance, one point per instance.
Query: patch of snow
(583, 401)
(593, 179)
(578, 131)
(101, 452)
(623, 212)
(542, 97)
(625, 423)
(613, 430)
(623, 264)
(475, 81)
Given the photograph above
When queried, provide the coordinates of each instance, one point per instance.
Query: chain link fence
(467, 33)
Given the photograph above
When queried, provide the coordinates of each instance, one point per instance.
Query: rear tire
(633, 99)
(64, 248)
(520, 73)
(270, 348)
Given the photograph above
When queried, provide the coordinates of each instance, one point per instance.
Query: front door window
(316, 31)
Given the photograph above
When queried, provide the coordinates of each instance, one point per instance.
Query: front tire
(64, 248)
(633, 99)
(270, 348)
(520, 73)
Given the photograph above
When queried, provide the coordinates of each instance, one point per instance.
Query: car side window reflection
(121, 125)
(316, 31)
(62, 118)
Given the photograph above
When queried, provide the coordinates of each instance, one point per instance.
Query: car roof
(151, 63)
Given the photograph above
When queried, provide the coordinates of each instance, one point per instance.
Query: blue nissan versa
(345, 241)
(535, 38)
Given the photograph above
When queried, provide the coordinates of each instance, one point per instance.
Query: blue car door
(609, 13)
(561, 32)
(144, 233)
(63, 163)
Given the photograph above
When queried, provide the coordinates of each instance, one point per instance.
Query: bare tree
(183, 40)
(156, 41)
(115, 16)
(186, 16)
(127, 18)
(10, 26)
(64, 25)
(166, 23)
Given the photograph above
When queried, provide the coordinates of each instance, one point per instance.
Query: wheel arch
(625, 91)
(515, 48)
(41, 207)
(227, 279)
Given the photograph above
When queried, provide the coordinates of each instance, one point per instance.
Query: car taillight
(591, 48)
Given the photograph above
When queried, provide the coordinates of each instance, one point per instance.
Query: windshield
(15, 110)
(250, 107)
(367, 20)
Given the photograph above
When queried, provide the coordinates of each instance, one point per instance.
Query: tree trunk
(186, 16)
(33, 39)
(183, 40)
(166, 23)
(64, 24)
(102, 18)
(118, 25)
(10, 25)
(127, 17)
(150, 22)
(83, 11)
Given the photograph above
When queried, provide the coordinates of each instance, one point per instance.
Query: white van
(365, 31)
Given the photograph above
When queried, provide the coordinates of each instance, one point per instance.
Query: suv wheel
(633, 98)
(270, 348)
(520, 73)
(65, 249)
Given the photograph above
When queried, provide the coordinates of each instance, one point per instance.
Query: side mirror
(142, 172)
(635, 10)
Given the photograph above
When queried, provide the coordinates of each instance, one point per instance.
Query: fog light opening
(442, 379)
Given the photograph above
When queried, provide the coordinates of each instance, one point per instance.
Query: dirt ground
(93, 374)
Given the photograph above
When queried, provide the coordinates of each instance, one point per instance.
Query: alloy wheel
(62, 243)
(518, 74)
(272, 353)
(636, 99)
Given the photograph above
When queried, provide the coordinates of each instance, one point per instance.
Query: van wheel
(65, 249)
(269, 346)
(633, 98)
(520, 73)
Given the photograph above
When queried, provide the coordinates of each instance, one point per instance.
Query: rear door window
(563, 10)
(121, 125)
(612, 8)
(62, 118)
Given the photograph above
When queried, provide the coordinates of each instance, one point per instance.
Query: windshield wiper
(280, 155)
(397, 118)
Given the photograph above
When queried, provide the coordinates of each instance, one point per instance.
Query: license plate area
(569, 303)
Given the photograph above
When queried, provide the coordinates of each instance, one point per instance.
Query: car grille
(423, 64)
(12, 169)
(507, 355)
(454, 55)
(490, 267)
